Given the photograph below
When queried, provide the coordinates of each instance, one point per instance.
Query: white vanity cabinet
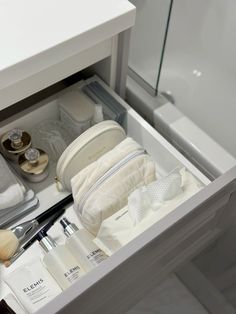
(51, 40)
(43, 42)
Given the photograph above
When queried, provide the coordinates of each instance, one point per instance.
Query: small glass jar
(15, 143)
(34, 164)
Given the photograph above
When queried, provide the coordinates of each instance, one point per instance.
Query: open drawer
(120, 281)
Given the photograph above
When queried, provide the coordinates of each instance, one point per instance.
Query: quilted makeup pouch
(103, 187)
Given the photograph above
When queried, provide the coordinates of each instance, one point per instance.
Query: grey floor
(171, 297)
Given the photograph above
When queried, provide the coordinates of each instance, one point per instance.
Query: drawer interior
(167, 158)
(165, 155)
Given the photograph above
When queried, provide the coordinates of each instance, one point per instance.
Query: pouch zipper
(108, 174)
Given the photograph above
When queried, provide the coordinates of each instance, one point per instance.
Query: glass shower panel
(147, 40)
(199, 68)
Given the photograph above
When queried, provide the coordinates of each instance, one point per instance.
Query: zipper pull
(58, 184)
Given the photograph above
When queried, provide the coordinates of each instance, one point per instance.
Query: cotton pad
(152, 196)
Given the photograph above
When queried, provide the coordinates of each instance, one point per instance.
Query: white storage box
(76, 110)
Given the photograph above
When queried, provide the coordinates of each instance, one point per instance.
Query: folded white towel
(12, 196)
(11, 190)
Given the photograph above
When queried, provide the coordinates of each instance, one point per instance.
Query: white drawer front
(119, 282)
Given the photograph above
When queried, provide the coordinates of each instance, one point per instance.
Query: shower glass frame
(138, 35)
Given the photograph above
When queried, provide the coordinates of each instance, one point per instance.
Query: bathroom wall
(204, 29)
(199, 67)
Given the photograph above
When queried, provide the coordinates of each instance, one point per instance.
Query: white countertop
(35, 34)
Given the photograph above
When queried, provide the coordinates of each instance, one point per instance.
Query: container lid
(87, 148)
(16, 141)
(79, 106)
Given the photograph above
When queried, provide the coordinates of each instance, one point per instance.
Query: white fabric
(82, 181)
(112, 194)
(152, 196)
(12, 196)
(11, 191)
(119, 229)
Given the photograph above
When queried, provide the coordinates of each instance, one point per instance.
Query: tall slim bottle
(59, 261)
(80, 242)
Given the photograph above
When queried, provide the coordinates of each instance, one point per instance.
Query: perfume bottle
(15, 143)
(80, 243)
(59, 261)
(34, 164)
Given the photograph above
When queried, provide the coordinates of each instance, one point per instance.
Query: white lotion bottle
(59, 261)
(80, 243)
